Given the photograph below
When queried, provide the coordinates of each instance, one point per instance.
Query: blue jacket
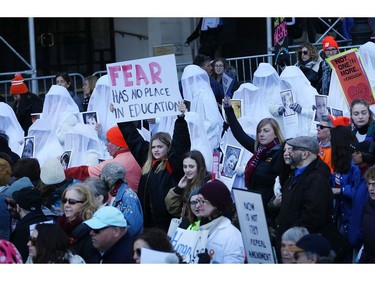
(357, 194)
(128, 203)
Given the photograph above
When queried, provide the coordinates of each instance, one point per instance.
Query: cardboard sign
(352, 76)
(145, 88)
(189, 243)
(254, 227)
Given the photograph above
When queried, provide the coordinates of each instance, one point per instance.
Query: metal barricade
(44, 84)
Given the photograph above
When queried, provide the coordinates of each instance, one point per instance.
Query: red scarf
(167, 165)
(254, 161)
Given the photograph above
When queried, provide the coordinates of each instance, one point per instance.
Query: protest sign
(144, 88)
(352, 76)
(189, 243)
(254, 227)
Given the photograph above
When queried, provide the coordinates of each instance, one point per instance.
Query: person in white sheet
(61, 111)
(267, 80)
(11, 127)
(46, 142)
(196, 88)
(367, 54)
(100, 102)
(292, 78)
(84, 143)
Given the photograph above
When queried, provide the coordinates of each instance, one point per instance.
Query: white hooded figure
(100, 101)
(11, 127)
(61, 111)
(46, 142)
(252, 113)
(196, 88)
(336, 99)
(84, 143)
(267, 80)
(367, 54)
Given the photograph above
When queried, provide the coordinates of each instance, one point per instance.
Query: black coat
(368, 230)
(308, 201)
(20, 236)
(153, 187)
(269, 166)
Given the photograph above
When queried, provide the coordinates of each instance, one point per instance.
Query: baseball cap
(106, 216)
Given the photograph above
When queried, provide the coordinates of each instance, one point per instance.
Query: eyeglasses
(321, 127)
(219, 66)
(10, 203)
(371, 184)
(33, 240)
(97, 231)
(304, 52)
(71, 201)
(199, 201)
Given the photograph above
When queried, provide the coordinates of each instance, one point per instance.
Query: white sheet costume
(196, 88)
(267, 80)
(12, 128)
(292, 78)
(61, 111)
(84, 143)
(46, 142)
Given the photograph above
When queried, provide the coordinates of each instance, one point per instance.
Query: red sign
(352, 76)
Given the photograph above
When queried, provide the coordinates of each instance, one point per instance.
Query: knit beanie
(52, 172)
(329, 41)
(339, 120)
(218, 194)
(18, 87)
(115, 136)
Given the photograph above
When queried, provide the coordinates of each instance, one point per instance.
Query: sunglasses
(71, 201)
(97, 231)
(318, 126)
(304, 52)
(33, 240)
(10, 204)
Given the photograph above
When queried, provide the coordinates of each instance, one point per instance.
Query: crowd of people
(119, 190)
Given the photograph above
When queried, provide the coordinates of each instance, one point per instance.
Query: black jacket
(20, 236)
(269, 166)
(153, 187)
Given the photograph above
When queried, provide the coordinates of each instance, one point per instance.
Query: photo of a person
(28, 147)
(65, 159)
(90, 118)
(231, 159)
(337, 112)
(320, 107)
(287, 100)
(237, 108)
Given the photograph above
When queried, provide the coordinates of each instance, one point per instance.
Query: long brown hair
(275, 126)
(164, 138)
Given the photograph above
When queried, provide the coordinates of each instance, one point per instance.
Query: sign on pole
(144, 88)
(254, 227)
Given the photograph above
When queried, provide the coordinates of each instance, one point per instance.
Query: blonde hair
(89, 206)
(164, 138)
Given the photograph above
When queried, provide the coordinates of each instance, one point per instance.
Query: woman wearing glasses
(78, 204)
(49, 244)
(309, 62)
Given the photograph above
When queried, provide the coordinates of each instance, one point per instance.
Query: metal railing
(44, 84)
